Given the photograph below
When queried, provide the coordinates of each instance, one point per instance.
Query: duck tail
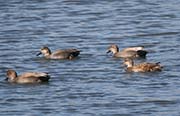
(142, 53)
(44, 78)
(158, 62)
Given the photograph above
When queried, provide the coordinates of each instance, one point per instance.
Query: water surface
(95, 84)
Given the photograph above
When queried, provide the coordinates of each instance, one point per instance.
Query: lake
(94, 84)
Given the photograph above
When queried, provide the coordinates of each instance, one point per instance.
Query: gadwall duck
(59, 54)
(28, 77)
(131, 52)
(142, 67)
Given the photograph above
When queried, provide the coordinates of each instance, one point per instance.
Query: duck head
(11, 75)
(113, 48)
(45, 51)
(128, 62)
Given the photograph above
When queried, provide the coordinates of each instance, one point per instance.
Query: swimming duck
(131, 52)
(59, 54)
(142, 67)
(28, 77)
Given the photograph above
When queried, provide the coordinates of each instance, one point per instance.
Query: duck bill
(38, 54)
(108, 51)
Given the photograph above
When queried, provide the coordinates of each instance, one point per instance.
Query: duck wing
(34, 75)
(65, 54)
(148, 67)
(126, 54)
(140, 52)
(73, 52)
(133, 48)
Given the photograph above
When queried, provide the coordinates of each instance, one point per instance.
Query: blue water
(95, 84)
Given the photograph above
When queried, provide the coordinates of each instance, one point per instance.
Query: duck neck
(130, 64)
(12, 76)
(115, 50)
(48, 53)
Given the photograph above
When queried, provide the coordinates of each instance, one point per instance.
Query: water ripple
(94, 83)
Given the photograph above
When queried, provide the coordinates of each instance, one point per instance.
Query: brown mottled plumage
(131, 52)
(29, 77)
(59, 54)
(142, 67)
